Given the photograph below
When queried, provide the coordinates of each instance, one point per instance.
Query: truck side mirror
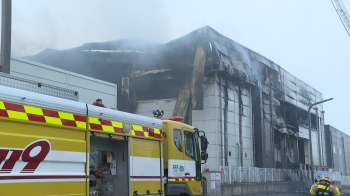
(204, 156)
(204, 143)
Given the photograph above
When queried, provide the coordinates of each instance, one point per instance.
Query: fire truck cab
(182, 158)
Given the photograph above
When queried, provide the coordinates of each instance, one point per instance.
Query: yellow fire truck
(53, 146)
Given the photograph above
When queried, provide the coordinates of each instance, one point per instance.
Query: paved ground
(345, 192)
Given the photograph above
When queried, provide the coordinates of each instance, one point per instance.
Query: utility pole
(6, 15)
(309, 117)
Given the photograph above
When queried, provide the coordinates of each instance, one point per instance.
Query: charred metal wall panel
(259, 137)
(198, 77)
(289, 87)
(237, 57)
(268, 133)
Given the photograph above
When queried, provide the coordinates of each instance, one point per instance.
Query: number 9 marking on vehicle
(33, 155)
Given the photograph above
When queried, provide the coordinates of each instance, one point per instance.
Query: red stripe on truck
(31, 177)
(3, 113)
(147, 177)
(14, 107)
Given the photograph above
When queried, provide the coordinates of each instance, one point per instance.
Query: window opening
(178, 139)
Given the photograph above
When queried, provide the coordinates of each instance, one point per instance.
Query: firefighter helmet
(323, 175)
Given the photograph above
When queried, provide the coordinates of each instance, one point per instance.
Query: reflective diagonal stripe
(104, 125)
(137, 127)
(37, 114)
(94, 120)
(33, 110)
(65, 115)
(142, 131)
(17, 115)
(54, 117)
(2, 106)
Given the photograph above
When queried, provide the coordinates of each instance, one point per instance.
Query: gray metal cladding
(338, 148)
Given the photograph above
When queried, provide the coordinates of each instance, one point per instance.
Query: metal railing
(332, 175)
(230, 174)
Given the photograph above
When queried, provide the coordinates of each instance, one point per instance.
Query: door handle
(187, 174)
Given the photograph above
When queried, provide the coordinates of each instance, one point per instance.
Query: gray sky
(306, 38)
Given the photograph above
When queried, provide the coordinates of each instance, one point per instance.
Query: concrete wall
(89, 88)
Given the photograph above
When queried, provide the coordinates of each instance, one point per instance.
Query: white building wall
(208, 120)
(89, 88)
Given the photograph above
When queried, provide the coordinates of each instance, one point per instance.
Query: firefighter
(324, 187)
(99, 103)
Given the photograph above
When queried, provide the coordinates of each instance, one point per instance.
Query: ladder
(343, 14)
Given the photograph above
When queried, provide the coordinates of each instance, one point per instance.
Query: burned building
(253, 111)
